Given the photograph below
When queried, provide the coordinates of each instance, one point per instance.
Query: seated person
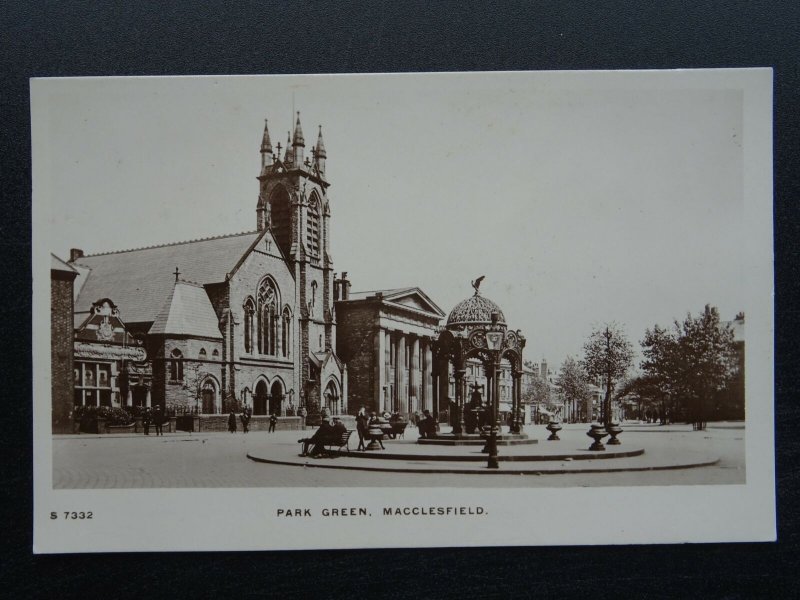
(319, 439)
(338, 428)
(427, 426)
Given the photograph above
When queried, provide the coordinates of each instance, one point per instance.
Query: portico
(387, 342)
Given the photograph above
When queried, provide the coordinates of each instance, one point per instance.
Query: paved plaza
(219, 460)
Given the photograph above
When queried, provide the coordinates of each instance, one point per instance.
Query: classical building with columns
(385, 339)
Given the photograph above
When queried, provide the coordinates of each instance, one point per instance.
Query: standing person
(146, 420)
(245, 418)
(158, 420)
(361, 429)
(232, 422)
(272, 421)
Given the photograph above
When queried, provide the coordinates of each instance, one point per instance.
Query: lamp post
(494, 342)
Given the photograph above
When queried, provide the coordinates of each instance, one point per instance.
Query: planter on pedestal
(597, 433)
(553, 427)
(614, 430)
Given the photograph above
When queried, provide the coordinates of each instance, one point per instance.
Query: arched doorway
(276, 398)
(139, 395)
(260, 398)
(331, 396)
(208, 397)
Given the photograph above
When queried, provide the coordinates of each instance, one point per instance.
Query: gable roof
(187, 311)
(139, 280)
(56, 264)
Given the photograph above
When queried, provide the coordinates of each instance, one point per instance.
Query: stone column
(427, 372)
(401, 397)
(388, 383)
(517, 401)
(376, 400)
(414, 387)
(148, 400)
(434, 381)
(443, 379)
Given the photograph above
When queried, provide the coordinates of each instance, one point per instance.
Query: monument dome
(475, 310)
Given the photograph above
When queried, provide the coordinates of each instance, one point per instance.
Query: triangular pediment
(414, 298)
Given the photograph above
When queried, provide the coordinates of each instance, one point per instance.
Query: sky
(584, 198)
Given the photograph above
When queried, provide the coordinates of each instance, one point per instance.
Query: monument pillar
(458, 423)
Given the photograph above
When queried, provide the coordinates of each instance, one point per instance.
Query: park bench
(342, 441)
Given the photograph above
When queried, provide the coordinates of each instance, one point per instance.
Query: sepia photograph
(438, 304)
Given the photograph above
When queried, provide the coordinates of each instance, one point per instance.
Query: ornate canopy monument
(477, 329)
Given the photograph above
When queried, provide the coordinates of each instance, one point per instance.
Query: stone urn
(553, 427)
(613, 430)
(597, 433)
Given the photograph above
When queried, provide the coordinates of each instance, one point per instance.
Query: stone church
(250, 320)
(217, 324)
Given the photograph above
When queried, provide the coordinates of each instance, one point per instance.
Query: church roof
(139, 280)
(187, 311)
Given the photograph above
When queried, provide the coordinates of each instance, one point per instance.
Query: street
(218, 460)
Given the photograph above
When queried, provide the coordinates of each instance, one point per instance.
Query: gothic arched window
(176, 366)
(267, 317)
(202, 354)
(312, 227)
(286, 323)
(249, 312)
(281, 218)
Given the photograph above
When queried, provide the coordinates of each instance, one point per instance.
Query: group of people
(155, 417)
(328, 433)
(245, 418)
(426, 425)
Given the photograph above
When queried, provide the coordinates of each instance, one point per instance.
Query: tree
(607, 356)
(692, 362)
(661, 366)
(708, 359)
(643, 390)
(573, 384)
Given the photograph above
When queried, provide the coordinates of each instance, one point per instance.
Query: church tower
(293, 204)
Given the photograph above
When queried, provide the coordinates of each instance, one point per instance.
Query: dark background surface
(184, 38)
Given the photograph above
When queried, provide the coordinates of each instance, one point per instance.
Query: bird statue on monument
(477, 284)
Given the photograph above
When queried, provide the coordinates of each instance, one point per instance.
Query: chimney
(75, 254)
(336, 285)
(345, 286)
